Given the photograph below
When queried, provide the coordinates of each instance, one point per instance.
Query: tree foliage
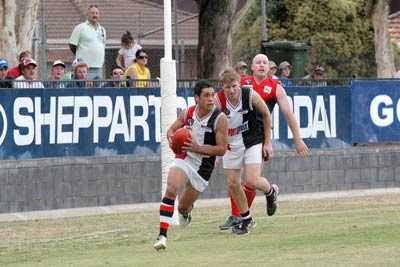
(17, 23)
(339, 32)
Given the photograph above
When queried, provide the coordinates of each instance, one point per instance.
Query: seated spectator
(318, 77)
(4, 79)
(241, 68)
(81, 70)
(272, 70)
(15, 72)
(56, 75)
(127, 53)
(285, 69)
(27, 79)
(117, 78)
(138, 71)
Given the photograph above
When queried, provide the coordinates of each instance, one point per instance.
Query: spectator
(56, 75)
(272, 70)
(117, 78)
(127, 53)
(241, 68)
(81, 70)
(88, 41)
(15, 72)
(27, 79)
(285, 69)
(138, 71)
(3, 74)
(318, 77)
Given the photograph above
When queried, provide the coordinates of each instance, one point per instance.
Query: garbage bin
(291, 51)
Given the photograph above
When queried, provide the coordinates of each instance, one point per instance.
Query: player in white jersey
(193, 168)
(248, 144)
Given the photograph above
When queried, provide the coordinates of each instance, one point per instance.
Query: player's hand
(191, 146)
(301, 148)
(267, 151)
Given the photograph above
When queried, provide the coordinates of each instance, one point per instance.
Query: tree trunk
(383, 46)
(17, 22)
(215, 45)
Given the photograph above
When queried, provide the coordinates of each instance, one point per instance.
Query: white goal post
(168, 97)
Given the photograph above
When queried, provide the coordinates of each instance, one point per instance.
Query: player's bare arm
(262, 108)
(300, 146)
(221, 140)
(179, 122)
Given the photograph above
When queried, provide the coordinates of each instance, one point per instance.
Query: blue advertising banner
(376, 111)
(323, 114)
(36, 123)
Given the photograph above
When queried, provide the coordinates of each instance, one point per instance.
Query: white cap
(58, 62)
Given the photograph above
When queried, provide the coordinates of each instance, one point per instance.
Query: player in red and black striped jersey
(192, 169)
(272, 92)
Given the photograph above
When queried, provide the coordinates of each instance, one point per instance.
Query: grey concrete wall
(88, 181)
(78, 182)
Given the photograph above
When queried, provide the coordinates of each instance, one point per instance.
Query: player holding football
(248, 144)
(272, 93)
(192, 168)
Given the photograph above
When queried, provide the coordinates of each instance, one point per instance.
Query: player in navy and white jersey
(248, 144)
(192, 168)
(272, 93)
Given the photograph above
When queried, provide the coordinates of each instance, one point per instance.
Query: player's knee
(233, 184)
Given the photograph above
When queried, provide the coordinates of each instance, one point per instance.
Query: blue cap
(3, 64)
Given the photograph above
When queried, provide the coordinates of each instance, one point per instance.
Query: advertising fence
(56, 122)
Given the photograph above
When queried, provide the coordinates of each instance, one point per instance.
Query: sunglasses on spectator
(117, 73)
(142, 57)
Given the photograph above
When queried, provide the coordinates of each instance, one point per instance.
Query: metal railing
(155, 83)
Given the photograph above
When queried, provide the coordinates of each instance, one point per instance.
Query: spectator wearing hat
(285, 69)
(4, 83)
(241, 68)
(272, 70)
(15, 72)
(27, 79)
(56, 74)
(88, 41)
(318, 77)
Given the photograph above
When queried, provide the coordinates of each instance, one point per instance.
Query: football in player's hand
(179, 138)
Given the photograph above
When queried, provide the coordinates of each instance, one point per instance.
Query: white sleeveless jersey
(243, 128)
(203, 132)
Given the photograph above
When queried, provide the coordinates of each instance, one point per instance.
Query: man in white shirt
(88, 42)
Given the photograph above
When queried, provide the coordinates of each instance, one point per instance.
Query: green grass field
(362, 231)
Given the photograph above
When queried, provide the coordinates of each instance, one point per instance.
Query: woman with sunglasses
(138, 74)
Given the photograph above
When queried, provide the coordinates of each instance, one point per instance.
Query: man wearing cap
(285, 69)
(241, 68)
(88, 41)
(26, 80)
(16, 71)
(318, 77)
(272, 70)
(56, 75)
(3, 74)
